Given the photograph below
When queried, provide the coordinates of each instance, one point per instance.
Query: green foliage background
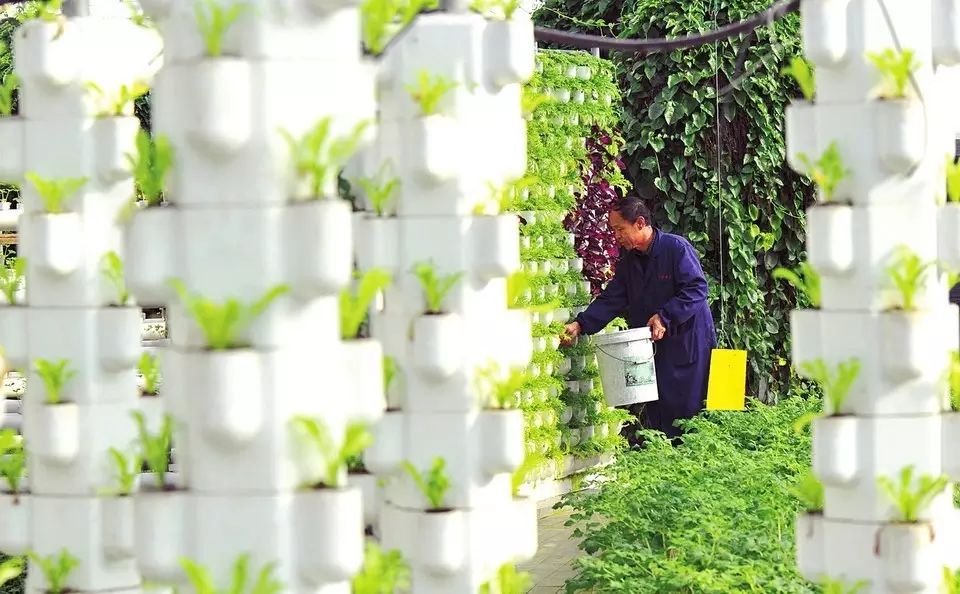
(754, 222)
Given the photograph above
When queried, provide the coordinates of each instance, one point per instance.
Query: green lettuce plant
(354, 305)
(832, 586)
(429, 90)
(382, 572)
(119, 104)
(953, 180)
(202, 582)
(497, 9)
(911, 499)
(499, 391)
(508, 581)
(435, 287)
(56, 569)
(213, 20)
(381, 189)
(805, 279)
(155, 449)
(54, 193)
(381, 19)
(390, 371)
(951, 581)
(356, 438)
(111, 267)
(126, 470)
(809, 490)
(908, 273)
(149, 368)
(223, 323)
(836, 385)
(896, 68)
(318, 158)
(433, 483)
(7, 88)
(11, 569)
(530, 101)
(827, 172)
(801, 71)
(13, 460)
(54, 375)
(12, 277)
(150, 165)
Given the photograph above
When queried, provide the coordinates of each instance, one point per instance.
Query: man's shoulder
(674, 242)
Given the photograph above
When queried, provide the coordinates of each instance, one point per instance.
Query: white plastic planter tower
(446, 163)
(67, 312)
(894, 417)
(236, 227)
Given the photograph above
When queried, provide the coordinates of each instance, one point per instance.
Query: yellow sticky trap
(727, 387)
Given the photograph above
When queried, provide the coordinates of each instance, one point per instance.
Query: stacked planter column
(67, 313)
(893, 417)
(238, 225)
(445, 163)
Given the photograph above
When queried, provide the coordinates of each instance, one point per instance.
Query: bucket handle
(632, 362)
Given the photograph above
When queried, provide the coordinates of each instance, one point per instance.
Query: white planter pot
(586, 386)
(946, 32)
(230, 382)
(159, 534)
(371, 494)
(546, 267)
(329, 527)
(510, 50)
(55, 240)
(364, 363)
(948, 235)
(906, 344)
(437, 345)
(114, 138)
(378, 243)
(835, 452)
(45, 57)
(603, 431)
(587, 433)
(14, 524)
(573, 386)
(147, 268)
(384, 455)
(320, 229)
(220, 118)
(441, 537)
(118, 528)
(574, 436)
(824, 31)
(12, 141)
(495, 245)
(805, 344)
(584, 72)
(562, 95)
(59, 443)
(950, 449)
(566, 415)
(119, 337)
(901, 134)
(578, 97)
(428, 147)
(800, 127)
(13, 335)
(909, 559)
(830, 239)
(576, 264)
(811, 558)
(502, 435)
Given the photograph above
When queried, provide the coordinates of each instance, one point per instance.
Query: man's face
(627, 234)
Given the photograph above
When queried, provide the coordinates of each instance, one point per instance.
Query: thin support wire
(716, 119)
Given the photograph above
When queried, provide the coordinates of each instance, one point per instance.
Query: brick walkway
(553, 564)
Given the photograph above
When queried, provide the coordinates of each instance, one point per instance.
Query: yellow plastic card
(727, 387)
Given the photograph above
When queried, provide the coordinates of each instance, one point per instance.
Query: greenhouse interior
(489, 296)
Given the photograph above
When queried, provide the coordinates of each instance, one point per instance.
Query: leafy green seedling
(801, 72)
(155, 449)
(44, 10)
(508, 581)
(953, 378)
(836, 386)
(7, 88)
(54, 376)
(10, 569)
(354, 306)
(805, 279)
(953, 180)
(213, 20)
(149, 368)
(908, 273)
(505, 196)
(433, 483)
(499, 391)
(498, 9)
(435, 287)
(11, 278)
(55, 192)
(356, 439)
(429, 90)
(13, 460)
(151, 165)
(909, 499)
(318, 158)
(809, 490)
(223, 323)
(517, 285)
(120, 104)
(390, 371)
(111, 267)
(126, 469)
(951, 581)
(137, 16)
(381, 19)
(530, 101)
(56, 569)
(832, 586)
(202, 582)
(895, 68)
(828, 171)
(382, 572)
(380, 190)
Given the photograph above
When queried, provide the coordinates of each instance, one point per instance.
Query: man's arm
(607, 306)
(691, 290)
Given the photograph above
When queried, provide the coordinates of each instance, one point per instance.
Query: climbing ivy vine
(740, 206)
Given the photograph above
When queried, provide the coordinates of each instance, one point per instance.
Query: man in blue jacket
(659, 283)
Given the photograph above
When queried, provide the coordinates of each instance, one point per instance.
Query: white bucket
(627, 371)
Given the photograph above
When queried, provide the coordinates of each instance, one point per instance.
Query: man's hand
(570, 332)
(657, 329)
